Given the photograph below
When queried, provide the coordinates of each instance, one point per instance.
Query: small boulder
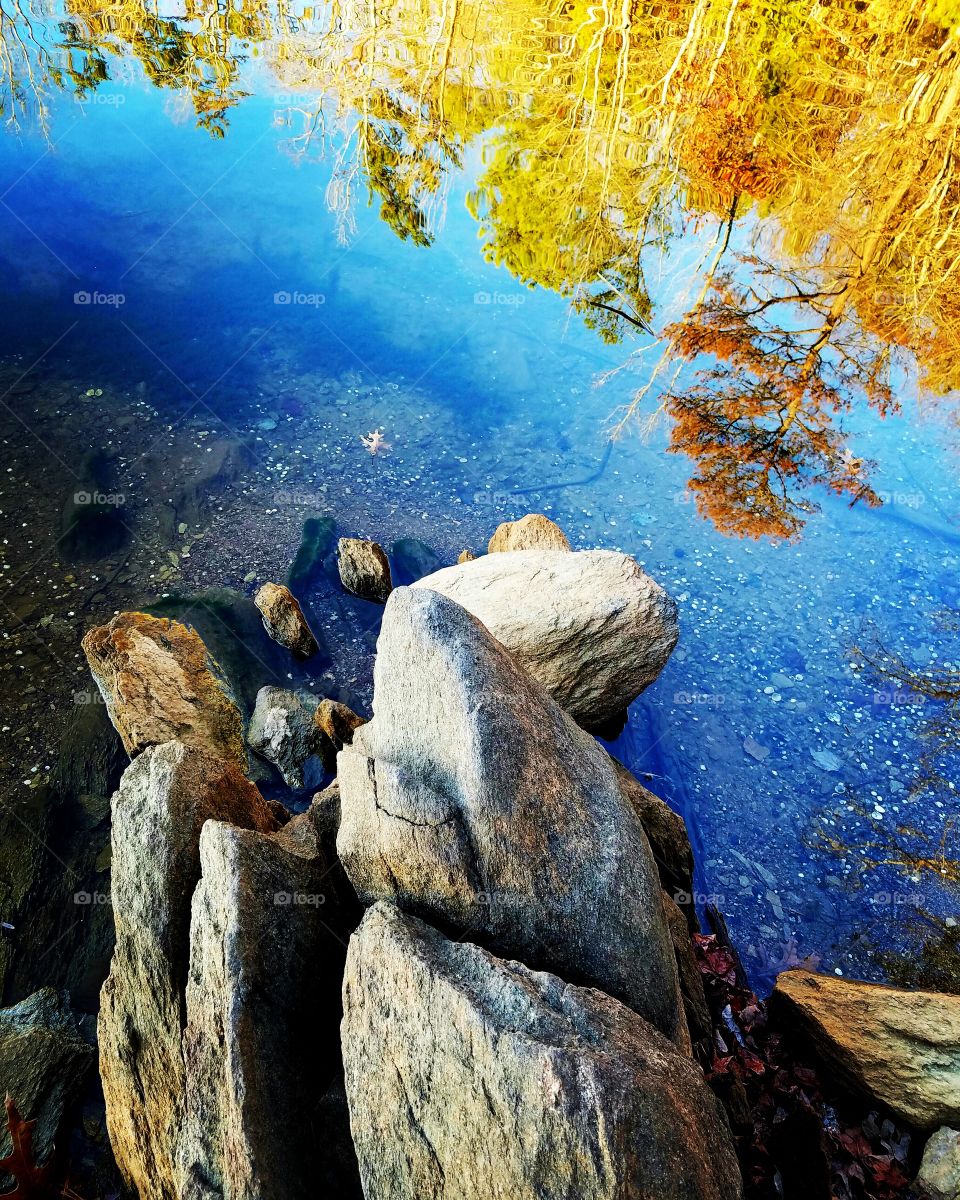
(472, 1076)
(466, 556)
(43, 1060)
(412, 559)
(590, 626)
(283, 731)
(901, 1048)
(164, 798)
(284, 621)
(337, 722)
(532, 532)
(939, 1175)
(473, 800)
(160, 683)
(364, 569)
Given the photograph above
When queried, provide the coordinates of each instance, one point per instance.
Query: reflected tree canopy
(811, 148)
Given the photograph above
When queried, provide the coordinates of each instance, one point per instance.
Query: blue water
(489, 393)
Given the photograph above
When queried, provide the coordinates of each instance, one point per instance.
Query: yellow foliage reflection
(811, 147)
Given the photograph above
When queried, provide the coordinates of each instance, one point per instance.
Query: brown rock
(364, 569)
(160, 683)
(337, 721)
(284, 621)
(939, 1175)
(164, 798)
(902, 1048)
(532, 531)
(466, 556)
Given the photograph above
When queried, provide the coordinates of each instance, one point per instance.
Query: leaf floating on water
(826, 760)
(754, 749)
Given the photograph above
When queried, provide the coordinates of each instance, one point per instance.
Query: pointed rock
(473, 1077)
(160, 683)
(474, 801)
(164, 798)
(590, 626)
(267, 947)
(902, 1048)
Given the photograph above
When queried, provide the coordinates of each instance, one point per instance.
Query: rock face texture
(283, 619)
(590, 626)
(474, 801)
(43, 1060)
(283, 731)
(160, 684)
(364, 569)
(534, 531)
(939, 1176)
(472, 1077)
(164, 798)
(262, 1000)
(902, 1048)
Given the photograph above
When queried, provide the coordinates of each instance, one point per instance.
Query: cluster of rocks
(463, 969)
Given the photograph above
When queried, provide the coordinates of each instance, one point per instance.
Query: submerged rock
(534, 531)
(470, 1076)
(590, 626)
(337, 722)
(901, 1048)
(364, 569)
(43, 1060)
(263, 1009)
(473, 800)
(164, 798)
(412, 559)
(160, 683)
(284, 621)
(283, 731)
(316, 542)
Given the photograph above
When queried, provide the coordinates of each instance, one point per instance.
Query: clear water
(489, 395)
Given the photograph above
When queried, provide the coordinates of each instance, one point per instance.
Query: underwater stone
(364, 569)
(284, 621)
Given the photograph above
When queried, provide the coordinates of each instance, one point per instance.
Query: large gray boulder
(900, 1047)
(473, 1077)
(590, 626)
(473, 800)
(267, 947)
(164, 798)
